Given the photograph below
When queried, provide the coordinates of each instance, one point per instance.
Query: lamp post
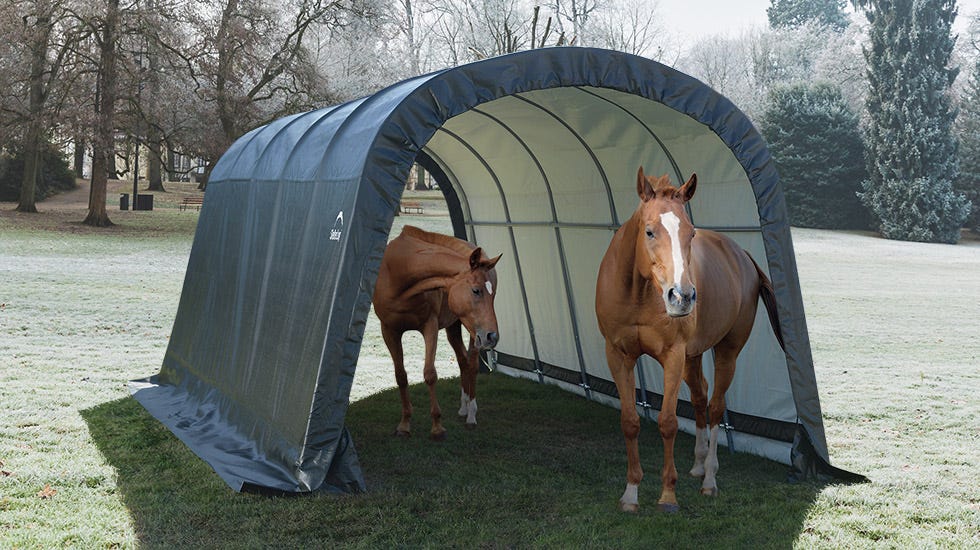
(136, 156)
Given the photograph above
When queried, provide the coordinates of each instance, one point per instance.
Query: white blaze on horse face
(489, 286)
(672, 223)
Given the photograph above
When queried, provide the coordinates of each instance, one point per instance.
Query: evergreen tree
(911, 150)
(794, 13)
(815, 141)
(968, 127)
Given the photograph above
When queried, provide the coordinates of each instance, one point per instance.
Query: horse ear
(643, 188)
(493, 262)
(475, 258)
(687, 190)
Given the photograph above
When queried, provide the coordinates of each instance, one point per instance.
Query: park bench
(411, 207)
(187, 202)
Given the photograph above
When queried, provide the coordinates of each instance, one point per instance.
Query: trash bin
(144, 202)
(124, 201)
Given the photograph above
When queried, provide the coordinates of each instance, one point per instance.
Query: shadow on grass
(544, 468)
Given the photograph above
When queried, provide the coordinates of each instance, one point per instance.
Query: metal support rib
(569, 294)
(576, 135)
(513, 242)
(673, 163)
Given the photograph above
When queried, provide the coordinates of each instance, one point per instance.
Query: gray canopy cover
(537, 154)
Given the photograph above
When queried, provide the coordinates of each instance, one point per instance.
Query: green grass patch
(544, 468)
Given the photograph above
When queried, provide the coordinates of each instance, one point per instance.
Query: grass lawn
(894, 332)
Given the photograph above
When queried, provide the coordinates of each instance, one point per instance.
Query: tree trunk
(171, 166)
(154, 163)
(103, 142)
(32, 141)
(79, 164)
(32, 160)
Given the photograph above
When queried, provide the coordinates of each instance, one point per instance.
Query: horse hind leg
(725, 356)
(394, 342)
(698, 384)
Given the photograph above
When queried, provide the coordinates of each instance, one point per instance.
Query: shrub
(925, 209)
(55, 175)
(816, 144)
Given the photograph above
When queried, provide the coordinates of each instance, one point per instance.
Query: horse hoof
(441, 436)
(668, 507)
(697, 472)
(709, 491)
(402, 433)
(469, 426)
(629, 507)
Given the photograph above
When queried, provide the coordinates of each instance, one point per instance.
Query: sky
(689, 18)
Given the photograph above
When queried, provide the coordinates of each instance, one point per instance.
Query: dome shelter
(537, 154)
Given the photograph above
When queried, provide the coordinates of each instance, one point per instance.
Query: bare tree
(252, 64)
(572, 17)
(632, 26)
(103, 140)
(49, 35)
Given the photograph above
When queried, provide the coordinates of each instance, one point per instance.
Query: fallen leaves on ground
(47, 492)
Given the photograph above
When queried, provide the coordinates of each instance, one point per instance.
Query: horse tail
(768, 295)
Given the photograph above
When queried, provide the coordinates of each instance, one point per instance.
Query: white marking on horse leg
(471, 412)
(630, 499)
(672, 223)
(489, 286)
(700, 451)
(710, 485)
(464, 401)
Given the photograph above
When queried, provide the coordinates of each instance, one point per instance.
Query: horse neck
(430, 270)
(627, 271)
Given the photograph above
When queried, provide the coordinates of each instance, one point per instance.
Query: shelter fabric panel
(584, 249)
(564, 159)
(547, 295)
(724, 192)
(521, 182)
(475, 179)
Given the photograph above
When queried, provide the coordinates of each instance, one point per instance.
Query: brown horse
(429, 282)
(672, 294)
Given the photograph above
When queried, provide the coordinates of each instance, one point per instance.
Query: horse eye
(649, 233)
(476, 291)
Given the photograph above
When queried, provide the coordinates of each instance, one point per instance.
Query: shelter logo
(338, 227)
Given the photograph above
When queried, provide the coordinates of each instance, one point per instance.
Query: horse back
(412, 256)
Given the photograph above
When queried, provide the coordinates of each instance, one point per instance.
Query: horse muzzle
(486, 340)
(679, 301)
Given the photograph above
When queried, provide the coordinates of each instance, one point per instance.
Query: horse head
(471, 295)
(664, 240)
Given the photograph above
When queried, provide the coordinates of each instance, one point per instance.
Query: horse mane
(663, 189)
(458, 246)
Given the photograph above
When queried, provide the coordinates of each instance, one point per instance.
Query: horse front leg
(621, 366)
(468, 365)
(667, 420)
(430, 333)
(394, 342)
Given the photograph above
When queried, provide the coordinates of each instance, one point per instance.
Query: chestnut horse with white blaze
(673, 293)
(428, 282)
